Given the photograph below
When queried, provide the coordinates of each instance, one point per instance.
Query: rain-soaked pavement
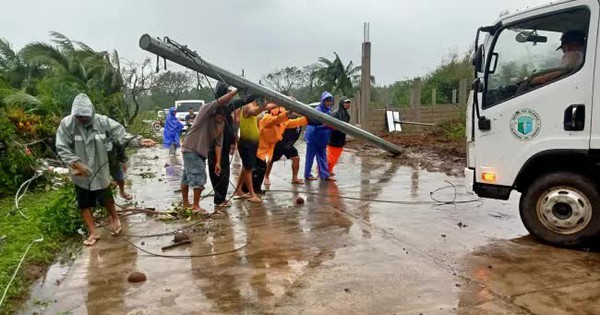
(328, 256)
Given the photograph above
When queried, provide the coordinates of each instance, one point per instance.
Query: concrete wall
(431, 114)
(374, 120)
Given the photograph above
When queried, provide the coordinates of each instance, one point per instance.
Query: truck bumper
(469, 180)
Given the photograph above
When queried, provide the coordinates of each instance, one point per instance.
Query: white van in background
(183, 107)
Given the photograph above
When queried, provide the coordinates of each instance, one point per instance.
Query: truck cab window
(535, 53)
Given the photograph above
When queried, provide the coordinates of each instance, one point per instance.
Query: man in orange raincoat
(272, 126)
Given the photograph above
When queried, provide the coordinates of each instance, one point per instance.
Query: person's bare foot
(297, 181)
(267, 182)
(332, 173)
(186, 205)
(311, 178)
(330, 179)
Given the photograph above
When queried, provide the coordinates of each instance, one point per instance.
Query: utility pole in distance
(365, 80)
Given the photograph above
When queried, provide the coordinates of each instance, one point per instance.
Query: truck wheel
(562, 209)
(156, 127)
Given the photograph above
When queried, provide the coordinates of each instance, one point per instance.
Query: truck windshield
(534, 53)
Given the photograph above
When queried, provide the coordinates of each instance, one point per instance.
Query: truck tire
(562, 209)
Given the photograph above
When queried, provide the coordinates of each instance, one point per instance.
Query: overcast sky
(409, 37)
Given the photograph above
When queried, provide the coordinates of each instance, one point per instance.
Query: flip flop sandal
(225, 204)
(91, 241)
(299, 182)
(200, 212)
(117, 231)
(255, 201)
(246, 196)
(127, 197)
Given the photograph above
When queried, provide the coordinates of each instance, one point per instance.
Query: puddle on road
(342, 251)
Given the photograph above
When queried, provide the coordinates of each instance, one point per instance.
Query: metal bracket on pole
(189, 59)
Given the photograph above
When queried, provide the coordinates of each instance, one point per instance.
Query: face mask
(83, 120)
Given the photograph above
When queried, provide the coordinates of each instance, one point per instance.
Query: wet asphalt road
(330, 255)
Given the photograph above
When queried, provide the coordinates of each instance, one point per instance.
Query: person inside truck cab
(573, 47)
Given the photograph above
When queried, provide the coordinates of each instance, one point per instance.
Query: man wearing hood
(83, 140)
(317, 136)
(220, 182)
(172, 132)
(337, 141)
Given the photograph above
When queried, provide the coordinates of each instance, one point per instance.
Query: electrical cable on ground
(39, 240)
(125, 239)
(403, 202)
(184, 256)
(19, 195)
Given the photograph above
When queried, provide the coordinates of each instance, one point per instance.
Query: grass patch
(452, 129)
(52, 215)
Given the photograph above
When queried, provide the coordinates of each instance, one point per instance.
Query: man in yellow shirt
(247, 147)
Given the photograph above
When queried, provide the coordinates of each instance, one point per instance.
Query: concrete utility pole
(365, 79)
(184, 56)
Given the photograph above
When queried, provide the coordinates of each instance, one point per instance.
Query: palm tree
(334, 76)
(78, 62)
(15, 70)
(75, 67)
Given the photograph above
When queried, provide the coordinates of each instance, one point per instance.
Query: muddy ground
(374, 242)
(424, 150)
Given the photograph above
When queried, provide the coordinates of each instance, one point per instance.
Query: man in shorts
(83, 141)
(206, 131)
(247, 147)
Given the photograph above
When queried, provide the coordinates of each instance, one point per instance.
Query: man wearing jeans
(220, 182)
(206, 131)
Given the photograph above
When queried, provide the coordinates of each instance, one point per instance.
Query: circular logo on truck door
(525, 124)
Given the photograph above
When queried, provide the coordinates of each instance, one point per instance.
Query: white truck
(532, 125)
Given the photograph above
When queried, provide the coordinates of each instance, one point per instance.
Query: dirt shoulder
(428, 150)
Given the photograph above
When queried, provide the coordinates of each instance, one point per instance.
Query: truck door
(537, 93)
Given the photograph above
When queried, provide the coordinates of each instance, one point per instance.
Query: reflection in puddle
(330, 255)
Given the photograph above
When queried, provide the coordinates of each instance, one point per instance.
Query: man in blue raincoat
(317, 137)
(172, 132)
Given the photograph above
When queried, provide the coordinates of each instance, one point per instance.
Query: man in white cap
(83, 140)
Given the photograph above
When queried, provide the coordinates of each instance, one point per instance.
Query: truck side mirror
(478, 59)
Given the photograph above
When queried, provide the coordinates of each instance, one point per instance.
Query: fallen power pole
(190, 59)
